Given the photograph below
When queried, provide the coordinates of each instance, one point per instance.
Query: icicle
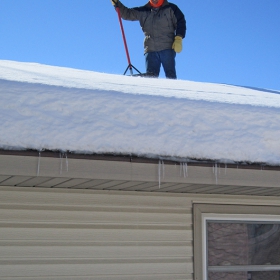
(160, 171)
(215, 171)
(66, 160)
(62, 155)
(184, 169)
(39, 162)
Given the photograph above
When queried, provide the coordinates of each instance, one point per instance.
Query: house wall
(50, 233)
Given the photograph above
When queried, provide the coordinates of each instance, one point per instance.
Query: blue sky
(228, 41)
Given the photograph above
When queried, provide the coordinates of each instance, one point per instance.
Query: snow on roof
(55, 108)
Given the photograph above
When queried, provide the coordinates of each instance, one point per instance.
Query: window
(235, 242)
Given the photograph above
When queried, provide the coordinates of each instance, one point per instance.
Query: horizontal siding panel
(22, 233)
(92, 243)
(9, 252)
(58, 197)
(93, 261)
(78, 226)
(97, 208)
(25, 270)
(111, 277)
(88, 217)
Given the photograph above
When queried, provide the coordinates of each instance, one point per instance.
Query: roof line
(138, 159)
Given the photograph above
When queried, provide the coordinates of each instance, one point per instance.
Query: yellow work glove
(114, 2)
(177, 45)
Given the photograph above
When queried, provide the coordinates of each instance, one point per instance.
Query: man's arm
(181, 21)
(126, 13)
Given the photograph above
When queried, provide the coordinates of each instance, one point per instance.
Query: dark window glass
(228, 276)
(257, 275)
(240, 244)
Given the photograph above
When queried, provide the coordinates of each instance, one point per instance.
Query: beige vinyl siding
(82, 234)
(48, 233)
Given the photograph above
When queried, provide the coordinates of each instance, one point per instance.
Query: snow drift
(47, 107)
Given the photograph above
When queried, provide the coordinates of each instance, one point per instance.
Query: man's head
(156, 3)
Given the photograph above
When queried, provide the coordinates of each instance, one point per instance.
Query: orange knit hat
(159, 3)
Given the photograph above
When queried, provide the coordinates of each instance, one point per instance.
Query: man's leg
(152, 63)
(167, 58)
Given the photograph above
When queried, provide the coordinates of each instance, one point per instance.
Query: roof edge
(139, 159)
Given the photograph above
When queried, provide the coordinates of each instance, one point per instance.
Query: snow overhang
(53, 108)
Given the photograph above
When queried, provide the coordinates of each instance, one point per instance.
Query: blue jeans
(166, 58)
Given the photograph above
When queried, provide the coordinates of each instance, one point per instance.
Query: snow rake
(130, 66)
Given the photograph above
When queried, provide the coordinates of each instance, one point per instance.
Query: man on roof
(164, 27)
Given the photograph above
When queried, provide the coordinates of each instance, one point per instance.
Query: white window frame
(237, 213)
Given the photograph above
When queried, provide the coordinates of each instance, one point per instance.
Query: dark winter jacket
(160, 26)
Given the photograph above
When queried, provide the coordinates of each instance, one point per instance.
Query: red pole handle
(124, 39)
